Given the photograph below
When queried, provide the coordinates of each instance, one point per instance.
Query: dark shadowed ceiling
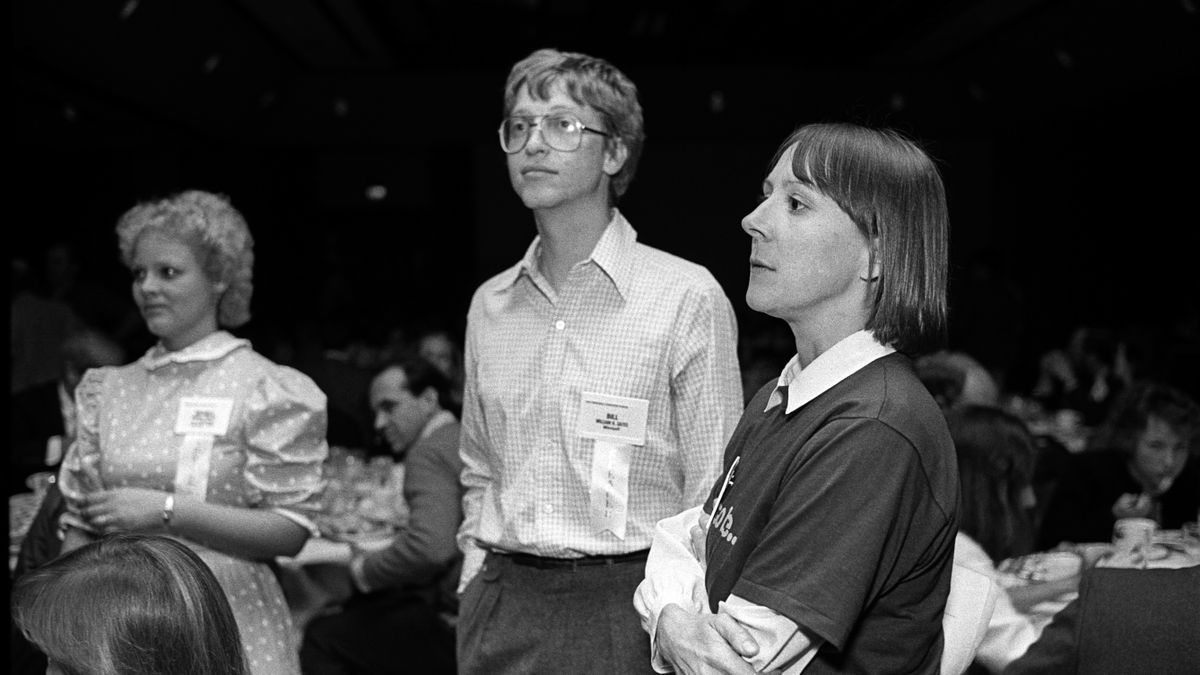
(1065, 128)
(363, 71)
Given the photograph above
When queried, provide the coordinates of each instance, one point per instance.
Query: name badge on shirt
(203, 415)
(200, 420)
(613, 418)
(617, 424)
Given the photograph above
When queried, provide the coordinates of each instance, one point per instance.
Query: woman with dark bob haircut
(827, 543)
(129, 604)
(202, 438)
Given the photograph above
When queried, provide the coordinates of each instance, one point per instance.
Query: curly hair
(589, 81)
(215, 228)
(130, 603)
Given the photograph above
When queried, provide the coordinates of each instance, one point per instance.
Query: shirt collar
(837, 363)
(613, 254)
(210, 348)
(439, 420)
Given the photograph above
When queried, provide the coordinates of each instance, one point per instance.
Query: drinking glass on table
(1132, 538)
(1191, 538)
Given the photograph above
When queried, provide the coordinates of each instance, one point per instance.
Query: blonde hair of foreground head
(129, 604)
(215, 230)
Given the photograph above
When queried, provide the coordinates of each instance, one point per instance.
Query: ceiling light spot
(69, 113)
(376, 193)
(211, 63)
(341, 107)
(1188, 6)
(128, 9)
(1064, 58)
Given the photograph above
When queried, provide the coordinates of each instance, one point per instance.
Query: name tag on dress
(617, 424)
(203, 415)
(200, 421)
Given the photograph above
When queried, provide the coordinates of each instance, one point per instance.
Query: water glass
(1191, 539)
(1130, 534)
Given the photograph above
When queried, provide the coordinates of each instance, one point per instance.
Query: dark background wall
(1065, 131)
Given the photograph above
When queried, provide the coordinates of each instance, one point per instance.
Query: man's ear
(615, 155)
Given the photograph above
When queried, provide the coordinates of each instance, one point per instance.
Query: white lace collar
(210, 348)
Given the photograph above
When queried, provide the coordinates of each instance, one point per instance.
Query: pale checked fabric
(270, 458)
(630, 321)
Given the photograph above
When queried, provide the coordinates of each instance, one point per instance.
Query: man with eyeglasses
(601, 386)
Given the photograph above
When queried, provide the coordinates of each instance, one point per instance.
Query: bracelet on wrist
(168, 510)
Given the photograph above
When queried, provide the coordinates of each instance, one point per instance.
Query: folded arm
(687, 636)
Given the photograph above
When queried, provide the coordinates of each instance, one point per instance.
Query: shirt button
(560, 324)
(548, 508)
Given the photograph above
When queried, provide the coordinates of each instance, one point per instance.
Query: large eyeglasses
(560, 131)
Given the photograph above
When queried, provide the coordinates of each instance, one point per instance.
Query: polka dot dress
(270, 456)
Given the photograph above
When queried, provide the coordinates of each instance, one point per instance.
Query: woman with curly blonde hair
(202, 439)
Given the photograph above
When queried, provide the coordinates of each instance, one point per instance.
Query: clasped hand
(703, 643)
(125, 509)
(1133, 506)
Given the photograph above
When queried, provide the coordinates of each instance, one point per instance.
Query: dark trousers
(378, 633)
(520, 619)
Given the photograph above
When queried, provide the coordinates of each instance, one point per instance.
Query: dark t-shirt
(841, 516)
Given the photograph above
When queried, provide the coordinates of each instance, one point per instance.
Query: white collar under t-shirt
(835, 364)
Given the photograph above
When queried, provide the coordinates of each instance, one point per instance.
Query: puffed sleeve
(285, 445)
(79, 473)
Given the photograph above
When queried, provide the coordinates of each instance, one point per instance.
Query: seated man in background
(42, 422)
(402, 615)
(41, 417)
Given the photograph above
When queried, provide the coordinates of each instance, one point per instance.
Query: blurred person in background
(402, 614)
(996, 455)
(957, 380)
(441, 349)
(42, 417)
(202, 438)
(37, 327)
(1141, 463)
(1085, 376)
(96, 305)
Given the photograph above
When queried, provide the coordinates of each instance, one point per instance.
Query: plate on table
(1156, 552)
(1039, 567)
(353, 528)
